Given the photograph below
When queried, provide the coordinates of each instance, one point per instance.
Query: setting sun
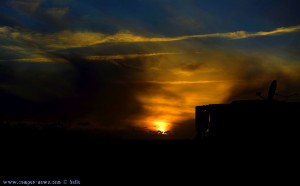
(161, 126)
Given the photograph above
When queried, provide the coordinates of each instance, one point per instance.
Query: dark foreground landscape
(56, 154)
(64, 154)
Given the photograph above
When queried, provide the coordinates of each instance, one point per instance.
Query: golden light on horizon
(161, 126)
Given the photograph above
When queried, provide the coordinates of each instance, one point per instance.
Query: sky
(140, 67)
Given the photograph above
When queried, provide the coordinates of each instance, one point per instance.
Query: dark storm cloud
(100, 96)
(78, 90)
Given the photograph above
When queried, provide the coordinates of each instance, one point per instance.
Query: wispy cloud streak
(89, 58)
(68, 39)
(177, 82)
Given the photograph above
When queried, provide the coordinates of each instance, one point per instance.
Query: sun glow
(161, 126)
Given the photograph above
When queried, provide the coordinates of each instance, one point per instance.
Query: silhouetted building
(249, 121)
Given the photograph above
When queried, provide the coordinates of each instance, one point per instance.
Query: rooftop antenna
(271, 93)
(272, 90)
